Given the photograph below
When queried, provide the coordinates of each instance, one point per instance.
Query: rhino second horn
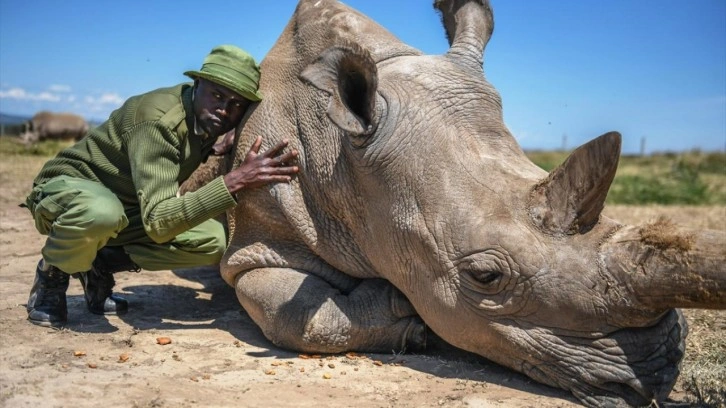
(469, 25)
(571, 198)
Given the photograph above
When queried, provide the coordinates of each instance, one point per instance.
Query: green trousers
(81, 216)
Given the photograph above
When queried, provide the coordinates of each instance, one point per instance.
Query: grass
(12, 146)
(703, 374)
(689, 178)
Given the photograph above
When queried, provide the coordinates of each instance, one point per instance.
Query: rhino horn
(348, 74)
(469, 25)
(572, 197)
(661, 265)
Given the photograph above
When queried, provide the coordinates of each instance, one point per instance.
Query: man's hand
(260, 169)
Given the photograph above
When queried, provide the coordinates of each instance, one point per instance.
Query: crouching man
(109, 203)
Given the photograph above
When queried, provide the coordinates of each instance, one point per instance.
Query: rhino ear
(571, 198)
(349, 75)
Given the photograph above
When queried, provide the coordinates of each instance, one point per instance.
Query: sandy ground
(217, 356)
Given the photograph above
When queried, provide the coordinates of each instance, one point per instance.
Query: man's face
(217, 108)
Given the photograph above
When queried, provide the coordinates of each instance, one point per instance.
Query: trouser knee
(202, 245)
(79, 217)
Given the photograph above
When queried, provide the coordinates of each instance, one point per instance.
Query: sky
(567, 70)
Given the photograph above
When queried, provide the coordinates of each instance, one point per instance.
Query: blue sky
(567, 70)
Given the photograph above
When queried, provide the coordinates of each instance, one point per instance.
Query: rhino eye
(486, 277)
(485, 273)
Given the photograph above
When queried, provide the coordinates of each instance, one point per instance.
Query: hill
(9, 119)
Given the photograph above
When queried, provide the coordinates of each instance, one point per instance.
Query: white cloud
(23, 95)
(59, 88)
(111, 99)
(47, 96)
(13, 93)
(108, 98)
(59, 98)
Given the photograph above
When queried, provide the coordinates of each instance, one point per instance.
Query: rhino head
(409, 174)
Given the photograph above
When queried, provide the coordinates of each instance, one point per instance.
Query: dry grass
(698, 217)
(703, 374)
(15, 168)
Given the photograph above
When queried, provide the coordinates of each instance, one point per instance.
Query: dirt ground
(217, 356)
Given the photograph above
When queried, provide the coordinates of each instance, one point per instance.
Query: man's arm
(154, 156)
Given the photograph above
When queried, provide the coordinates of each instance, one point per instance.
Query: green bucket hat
(233, 68)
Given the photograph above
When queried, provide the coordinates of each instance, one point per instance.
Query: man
(109, 203)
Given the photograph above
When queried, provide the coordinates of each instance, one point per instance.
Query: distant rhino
(54, 126)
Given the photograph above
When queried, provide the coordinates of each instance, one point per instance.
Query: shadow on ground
(206, 302)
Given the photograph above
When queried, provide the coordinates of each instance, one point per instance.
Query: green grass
(12, 146)
(689, 178)
(547, 160)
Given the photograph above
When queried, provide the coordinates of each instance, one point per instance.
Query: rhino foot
(299, 311)
(415, 336)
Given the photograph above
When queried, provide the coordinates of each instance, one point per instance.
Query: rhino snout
(628, 367)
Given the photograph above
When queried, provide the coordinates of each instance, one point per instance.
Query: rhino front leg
(302, 312)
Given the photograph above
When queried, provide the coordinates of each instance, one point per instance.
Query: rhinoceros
(46, 125)
(415, 209)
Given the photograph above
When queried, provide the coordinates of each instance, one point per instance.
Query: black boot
(98, 282)
(47, 302)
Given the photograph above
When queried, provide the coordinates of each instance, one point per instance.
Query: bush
(713, 163)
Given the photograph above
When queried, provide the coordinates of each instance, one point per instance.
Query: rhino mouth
(632, 366)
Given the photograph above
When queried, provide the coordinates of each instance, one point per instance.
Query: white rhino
(415, 205)
(46, 125)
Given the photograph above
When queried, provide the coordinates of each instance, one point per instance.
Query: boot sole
(103, 313)
(45, 323)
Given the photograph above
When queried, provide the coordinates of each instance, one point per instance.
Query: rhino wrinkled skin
(415, 204)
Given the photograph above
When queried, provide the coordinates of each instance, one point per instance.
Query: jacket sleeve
(155, 155)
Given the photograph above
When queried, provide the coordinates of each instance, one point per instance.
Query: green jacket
(142, 153)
